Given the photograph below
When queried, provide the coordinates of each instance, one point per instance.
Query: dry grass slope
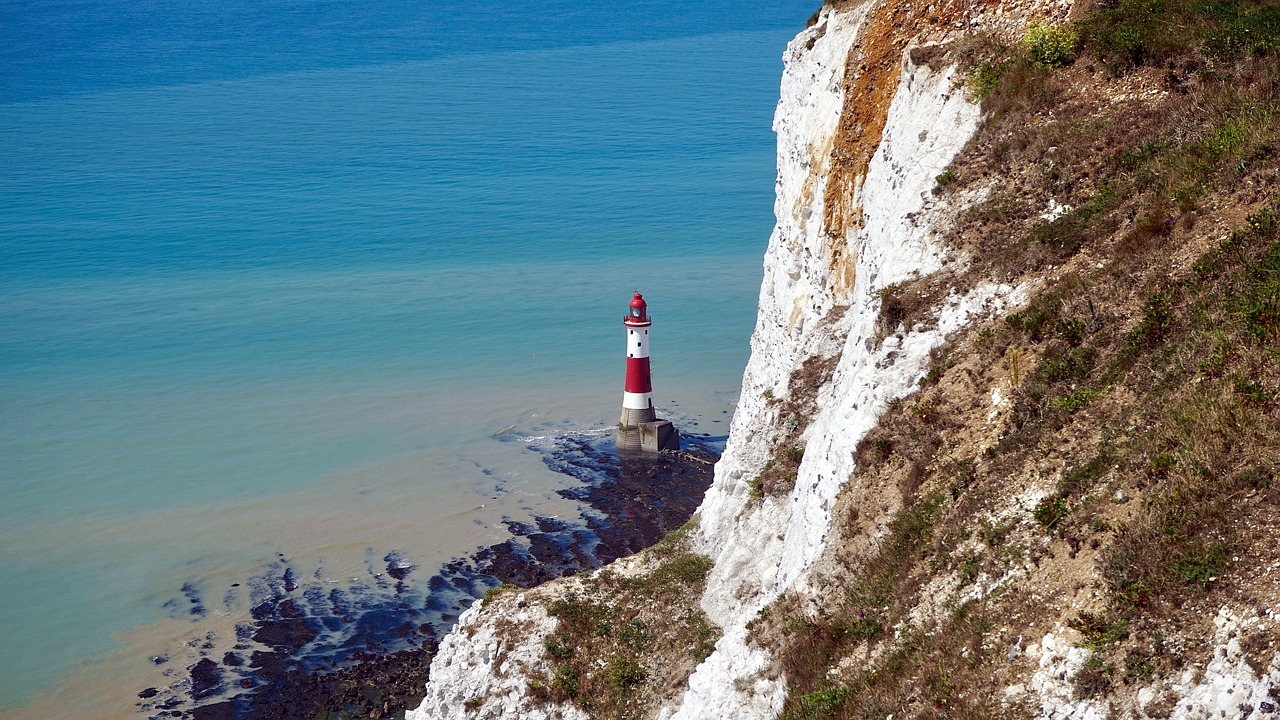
(1124, 485)
(627, 643)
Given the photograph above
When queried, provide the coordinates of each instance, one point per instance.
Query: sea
(309, 281)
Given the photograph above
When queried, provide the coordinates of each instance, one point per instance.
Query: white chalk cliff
(819, 298)
(764, 549)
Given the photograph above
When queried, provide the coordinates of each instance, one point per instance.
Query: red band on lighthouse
(638, 380)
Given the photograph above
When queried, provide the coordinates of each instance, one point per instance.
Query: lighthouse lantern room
(640, 428)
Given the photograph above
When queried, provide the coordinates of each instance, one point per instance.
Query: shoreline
(379, 667)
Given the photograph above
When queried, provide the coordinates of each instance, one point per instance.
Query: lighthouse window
(635, 312)
(637, 343)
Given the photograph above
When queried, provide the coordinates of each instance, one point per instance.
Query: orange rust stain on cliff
(871, 79)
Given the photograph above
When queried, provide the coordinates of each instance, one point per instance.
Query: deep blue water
(264, 262)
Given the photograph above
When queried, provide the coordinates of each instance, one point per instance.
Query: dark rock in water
(193, 599)
(206, 679)
(160, 659)
(398, 567)
(269, 664)
(282, 626)
(290, 580)
(361, 689)
(365, 650)
(148, 693)
(518, 529)
(225, 710)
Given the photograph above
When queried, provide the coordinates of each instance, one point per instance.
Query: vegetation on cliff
(627, 638)
(1102, 462)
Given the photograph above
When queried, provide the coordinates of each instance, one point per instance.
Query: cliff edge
(1008, 438)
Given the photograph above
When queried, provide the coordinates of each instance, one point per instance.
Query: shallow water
(268, 294)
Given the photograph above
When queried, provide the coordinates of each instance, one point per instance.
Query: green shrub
(634, 636)
(1156, 323)
(1076, 400)
(1258, 301)
(865, 626)
(823, 703)
(1037, 319)
(982, 80)
(565, 680)
(689, 569)
(1100, 631)
(557, 646)
(1201, 568)
(494, 592)
(1049, 511)
(1070, 366)
(1050, 46)
(1238, 30)
(625, 672)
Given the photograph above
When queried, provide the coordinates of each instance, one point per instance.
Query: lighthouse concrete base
(652, 436)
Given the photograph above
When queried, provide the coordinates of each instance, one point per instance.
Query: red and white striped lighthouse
(637, 403)
(640, 428)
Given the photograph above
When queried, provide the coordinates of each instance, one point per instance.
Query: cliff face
(944, 446)
(820, 299)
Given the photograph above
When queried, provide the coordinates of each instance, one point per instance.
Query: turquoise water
(277, 277)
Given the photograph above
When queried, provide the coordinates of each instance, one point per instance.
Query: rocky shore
(366, 652)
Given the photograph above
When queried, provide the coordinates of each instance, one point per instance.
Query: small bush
(1257, 303)
(823, 703)
(984, 78)
(558, 647)
(1050, 46)
(1036, 320)
(944, 180)
(1156, 323)
(1076, 401)
(688, 569)
(1203, 567)
(635, 637)
(564, 682)
(1093, 679)
(1139, 668)
(494, 592)
(1050, 511)
(625, 672)
(864, 626)
(1100, 631)
(1070, 366)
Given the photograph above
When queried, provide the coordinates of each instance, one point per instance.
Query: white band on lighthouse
(638, 342)
(635, 401)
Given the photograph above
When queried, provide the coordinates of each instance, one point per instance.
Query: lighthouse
(640, 428)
